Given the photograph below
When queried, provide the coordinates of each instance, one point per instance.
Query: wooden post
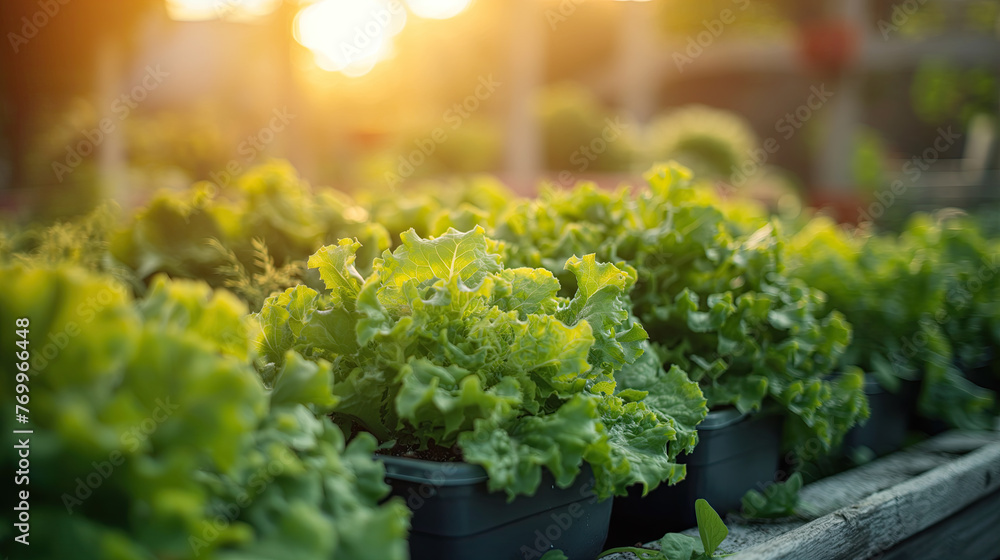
(526, 72)
(637, 80)
(112, 162)
(845, 111)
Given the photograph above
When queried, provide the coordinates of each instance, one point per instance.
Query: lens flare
(205, 10)
(349, 36)
(438, 9)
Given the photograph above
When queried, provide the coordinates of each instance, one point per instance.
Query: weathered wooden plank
(832, 493)
(969, 535)
(959, 442)
(826, 496)
(881, 521)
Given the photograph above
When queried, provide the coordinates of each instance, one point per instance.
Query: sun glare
(438, 9)
(205, 10)
(349, 36)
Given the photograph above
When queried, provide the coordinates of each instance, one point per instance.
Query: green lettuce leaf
(440, 347)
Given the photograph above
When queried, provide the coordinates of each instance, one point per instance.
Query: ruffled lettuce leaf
(441, 347)
(195, 457)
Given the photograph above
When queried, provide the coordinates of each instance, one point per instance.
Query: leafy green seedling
(710, 526)
(676, 546)
(778, 500)
(554, 554)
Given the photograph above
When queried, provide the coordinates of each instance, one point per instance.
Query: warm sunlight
(349, 36)
(438, 9)
(500, 279)
(203, 10)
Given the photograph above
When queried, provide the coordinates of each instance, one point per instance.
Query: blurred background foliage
(706, 83)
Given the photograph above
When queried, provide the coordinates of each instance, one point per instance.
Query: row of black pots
(735, 453)
(456, 517)
(892, 414)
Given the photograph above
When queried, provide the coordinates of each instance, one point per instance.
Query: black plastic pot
(735, 453)
(984, 373)
(455, 517)
(886, 429)
(918, 422)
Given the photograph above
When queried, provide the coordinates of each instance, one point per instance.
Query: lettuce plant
(711, 142)
(922, 304)
(252, 235)
(154, 438)
(441, 347)
(970, 262)
(712, 291)
(780, 499)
